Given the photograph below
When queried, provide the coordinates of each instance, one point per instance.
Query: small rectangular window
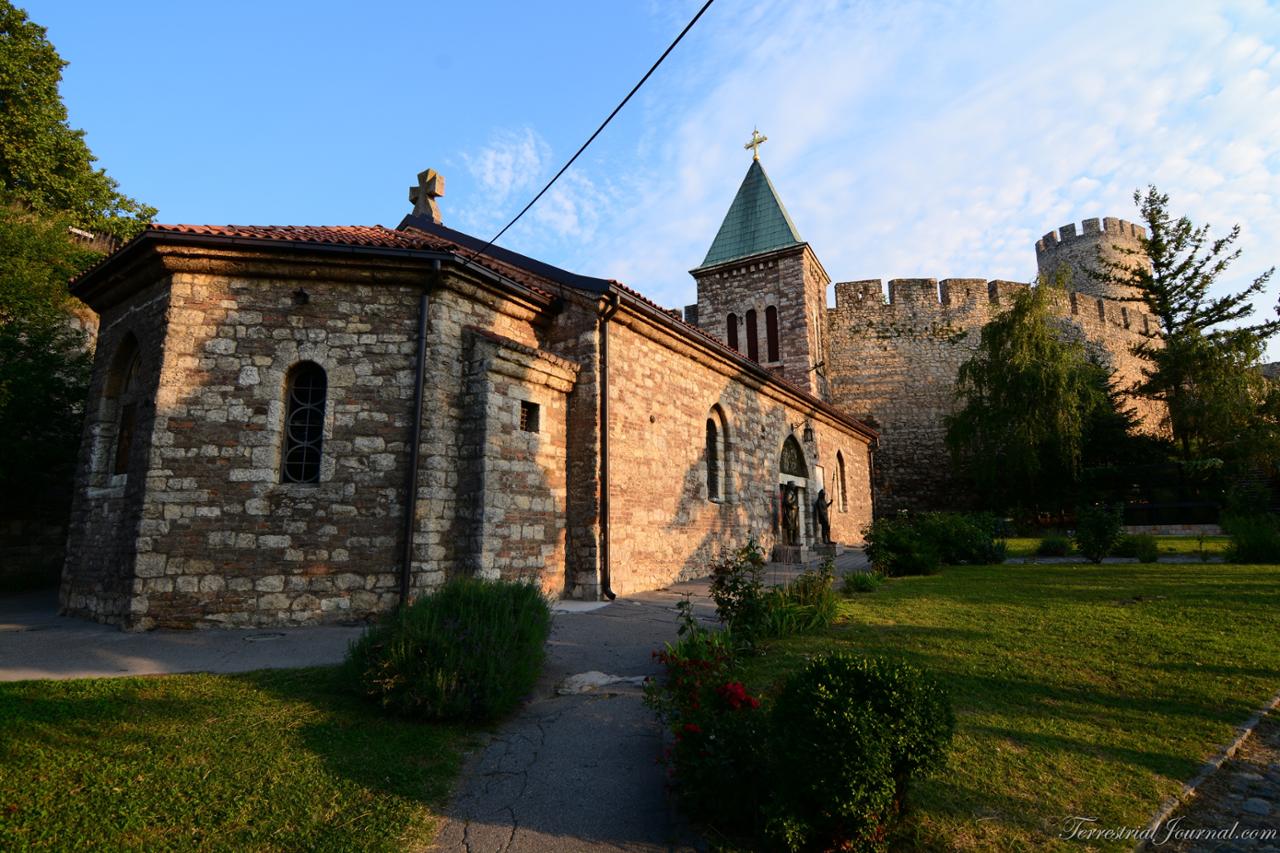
(528, 416)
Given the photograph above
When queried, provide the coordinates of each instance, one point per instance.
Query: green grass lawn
(1214, 546)
(1079, 690)
(272, 760)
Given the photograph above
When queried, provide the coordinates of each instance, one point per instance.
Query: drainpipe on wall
(610, 308)
(415, 440)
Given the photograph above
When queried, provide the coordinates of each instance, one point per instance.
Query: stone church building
(300, 424)
(305, 424)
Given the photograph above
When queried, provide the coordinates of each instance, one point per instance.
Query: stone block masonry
(894, 364)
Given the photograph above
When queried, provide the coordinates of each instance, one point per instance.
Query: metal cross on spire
(756, 141)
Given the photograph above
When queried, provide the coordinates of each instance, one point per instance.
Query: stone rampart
(893, 362)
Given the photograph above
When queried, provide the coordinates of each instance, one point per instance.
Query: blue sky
(907, 139)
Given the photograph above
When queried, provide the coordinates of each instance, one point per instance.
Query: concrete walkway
(35, 642)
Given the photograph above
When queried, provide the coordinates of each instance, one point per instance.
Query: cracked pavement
(579, 771)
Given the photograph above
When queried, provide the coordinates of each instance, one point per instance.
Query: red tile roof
(338, 235)
(369, 236)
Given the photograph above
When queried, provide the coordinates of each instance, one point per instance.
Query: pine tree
(1202, 361)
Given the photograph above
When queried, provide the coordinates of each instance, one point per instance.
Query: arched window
(840, 482)
(719, 453)
(123, 394)
(733, 331)
(304, 423)
(713, 460)
(771, 331)
(753, 345)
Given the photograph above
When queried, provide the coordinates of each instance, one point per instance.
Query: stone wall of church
(894, 364)
(223, 539)
(103, 534)
(514, 465)
(205, 532)
(664, 525)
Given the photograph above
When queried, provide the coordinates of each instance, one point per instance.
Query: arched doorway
(793, 499)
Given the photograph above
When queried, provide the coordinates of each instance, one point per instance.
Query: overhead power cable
(602, 126)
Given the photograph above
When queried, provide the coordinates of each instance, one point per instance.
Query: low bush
(717, 730)
(1142, 546)
(920, 544)
(1255, 538)
(896, 548)
(849, 737)
(737, 588)
(1098, 530)
(1054, 546)
(855, 582)
(468, 651)
(963, 538)
(751, 612)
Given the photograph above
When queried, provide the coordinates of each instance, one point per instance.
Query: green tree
(44, 367)
(1028, 398)
(44, 163)
(1202, 361)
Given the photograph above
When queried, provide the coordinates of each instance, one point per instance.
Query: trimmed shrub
(850, 734)
(897, 548)
(1098, 530)
(1054, 546)
(1254, 538)
(468, 651)
(856, 582)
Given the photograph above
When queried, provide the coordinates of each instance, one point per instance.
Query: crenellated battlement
(1090, 229)
(970, 302)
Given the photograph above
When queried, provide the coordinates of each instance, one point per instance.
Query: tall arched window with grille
(732, 327)
(771, 331)
(753, 344)
(305, 390)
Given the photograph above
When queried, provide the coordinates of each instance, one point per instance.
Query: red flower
(693, 728)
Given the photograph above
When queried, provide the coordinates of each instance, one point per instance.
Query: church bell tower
(761, 289)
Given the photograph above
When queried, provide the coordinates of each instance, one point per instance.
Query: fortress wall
(894, 362)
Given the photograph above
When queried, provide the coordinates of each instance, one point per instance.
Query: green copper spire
(756, 222)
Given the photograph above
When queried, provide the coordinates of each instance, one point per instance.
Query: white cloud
(514, 162)
(940, 139)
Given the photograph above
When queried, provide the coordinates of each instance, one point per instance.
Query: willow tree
(1027, 399)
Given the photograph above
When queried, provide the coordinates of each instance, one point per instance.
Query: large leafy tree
(48, 184)
(1202, 361)
(1029, 398)
(44, 162)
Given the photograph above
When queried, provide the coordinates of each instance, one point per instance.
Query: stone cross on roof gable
(430, 187)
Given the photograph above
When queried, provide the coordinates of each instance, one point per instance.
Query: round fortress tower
(1113, 239)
